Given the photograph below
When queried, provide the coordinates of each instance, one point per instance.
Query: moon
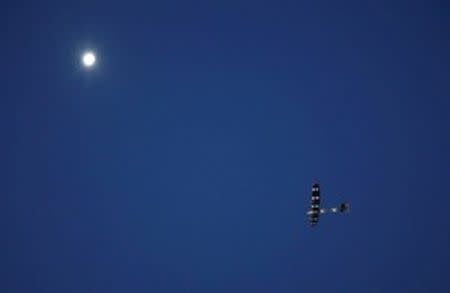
(88, 59)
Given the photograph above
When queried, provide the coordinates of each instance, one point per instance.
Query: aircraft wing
(314, 212)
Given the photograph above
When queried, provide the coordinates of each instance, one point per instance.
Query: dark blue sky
(184, 161)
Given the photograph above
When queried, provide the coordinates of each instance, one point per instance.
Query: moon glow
(88, 59)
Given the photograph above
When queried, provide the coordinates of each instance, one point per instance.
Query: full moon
(88, 59)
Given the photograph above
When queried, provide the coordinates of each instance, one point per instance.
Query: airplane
(315, 210)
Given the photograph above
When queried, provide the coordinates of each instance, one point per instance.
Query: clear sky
(183, 161)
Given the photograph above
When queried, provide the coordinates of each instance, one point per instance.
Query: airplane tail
(344, 207)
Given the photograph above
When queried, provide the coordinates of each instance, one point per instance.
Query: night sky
(183, 161)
